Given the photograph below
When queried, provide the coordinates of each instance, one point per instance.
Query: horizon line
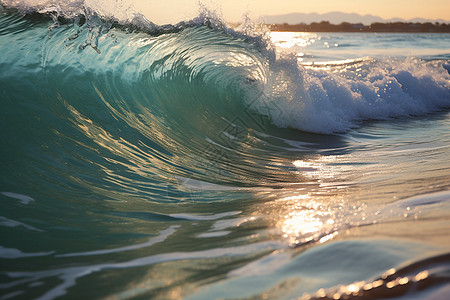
(355, 14)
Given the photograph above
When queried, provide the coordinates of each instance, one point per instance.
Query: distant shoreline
(396, 27)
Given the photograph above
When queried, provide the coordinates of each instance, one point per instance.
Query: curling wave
(197, 99)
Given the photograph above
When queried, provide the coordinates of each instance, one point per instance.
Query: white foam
(193, 217)
(152, 241)
(120, 10)
(213, 234)
(12, 223)
(24, 199)
(11, 253)
(332, 98)
(427, 199)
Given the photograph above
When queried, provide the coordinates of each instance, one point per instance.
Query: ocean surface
(200, 161)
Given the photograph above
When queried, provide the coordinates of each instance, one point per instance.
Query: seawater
(200, 161)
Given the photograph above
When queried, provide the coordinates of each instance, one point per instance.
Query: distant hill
(336, 18)
(397, 27)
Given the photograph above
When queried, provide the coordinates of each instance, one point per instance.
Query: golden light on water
(293, 41)
(353, 288)
(370, 289)
(305, 220)
(372, 285)
(321, 167)
(301, 216)
(328, 237)
(300, 223)
(306, 165)
(421, 276)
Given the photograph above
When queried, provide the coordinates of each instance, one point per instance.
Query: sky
(232, 10)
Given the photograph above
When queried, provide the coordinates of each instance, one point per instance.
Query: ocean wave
(319, 98)
(132, 150)
(197, 99)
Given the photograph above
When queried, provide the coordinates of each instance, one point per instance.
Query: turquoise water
(197, 161)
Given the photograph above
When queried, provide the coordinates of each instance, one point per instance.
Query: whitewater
(200, 160)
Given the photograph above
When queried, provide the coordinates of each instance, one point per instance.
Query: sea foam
(332, 98)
